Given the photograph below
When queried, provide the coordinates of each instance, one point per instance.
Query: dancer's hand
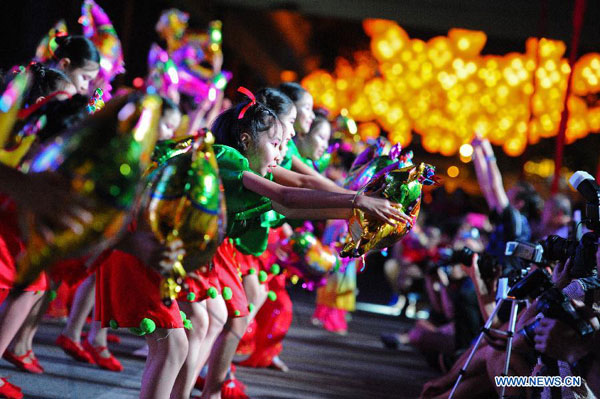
(382, 209)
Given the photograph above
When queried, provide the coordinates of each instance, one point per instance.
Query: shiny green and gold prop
(186, 204)
(11, 101)
(102, 161)
(303, 254)
(399, 185)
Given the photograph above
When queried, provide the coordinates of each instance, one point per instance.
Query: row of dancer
(262, 170)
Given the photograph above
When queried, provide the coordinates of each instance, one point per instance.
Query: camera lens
(558, 248)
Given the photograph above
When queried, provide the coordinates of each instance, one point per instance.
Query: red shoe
(200, 383)
(19, 361)
(112, 338)
(74, 349)
(108, 363)
(10, 391)
(232, 390)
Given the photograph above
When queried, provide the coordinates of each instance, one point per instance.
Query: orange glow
(453, 171)
(288, 76)
(445, 90)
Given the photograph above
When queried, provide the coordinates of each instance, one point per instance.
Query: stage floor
(322, 365)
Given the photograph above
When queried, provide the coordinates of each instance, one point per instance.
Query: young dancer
(59, 207)
(251, 137)
(79, 59)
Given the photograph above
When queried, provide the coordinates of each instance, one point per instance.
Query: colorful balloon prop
(10, 104)
(163, 74)
(98, 28)
(102, 161)
(308, 257)
(215, 35)
(374, 158)
(186, 204)
(45, 50)
(193, 54)
(171, 26)
(399, 185)
(96, 102)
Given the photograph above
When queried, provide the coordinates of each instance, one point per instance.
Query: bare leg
(13, 313)
(255, 292)
(197, 313)
(217, 316)
(82, 306)
(23, 341)
(222, 355)
(167, 350)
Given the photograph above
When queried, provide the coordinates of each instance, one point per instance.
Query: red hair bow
(248, 94)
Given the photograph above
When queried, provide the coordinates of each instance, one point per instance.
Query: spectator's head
(526, 200)
(556, 213)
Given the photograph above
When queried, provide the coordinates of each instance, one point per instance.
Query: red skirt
(273, 321)
(11, 246)
(70, 271)
(248, 263)
(128, 291)
(199, 283)
(268, 258)
(226, 263)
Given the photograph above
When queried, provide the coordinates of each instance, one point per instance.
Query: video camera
(551, 303)
(555, 248)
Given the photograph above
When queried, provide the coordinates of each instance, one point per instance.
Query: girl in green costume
(250, 136)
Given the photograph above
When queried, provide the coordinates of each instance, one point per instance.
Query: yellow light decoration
(453, 171)
(368, 130)
(466, 150)
(445, 90)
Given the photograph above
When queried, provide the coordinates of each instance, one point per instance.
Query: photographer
(455, 318)
(512, 211)
(576, 355)
(556, 217)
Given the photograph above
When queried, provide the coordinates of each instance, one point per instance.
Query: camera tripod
(510, 332)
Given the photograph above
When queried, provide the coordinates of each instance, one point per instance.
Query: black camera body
(582, 253)
(556, 305)
(488, 265)
(552, 303)
(554, 248)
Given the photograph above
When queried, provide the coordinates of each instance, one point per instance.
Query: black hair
(45, 81)
(59, 116)
(320, 117)
(532, 201)
(275, 99)
(228, 129)
(78, 49)
(346, 158)
(293, 90)
(168, 105)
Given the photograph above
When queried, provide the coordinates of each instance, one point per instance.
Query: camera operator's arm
(561, 275)
(494, 177)
(486, 295)
(551, 337)
(481, 170)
